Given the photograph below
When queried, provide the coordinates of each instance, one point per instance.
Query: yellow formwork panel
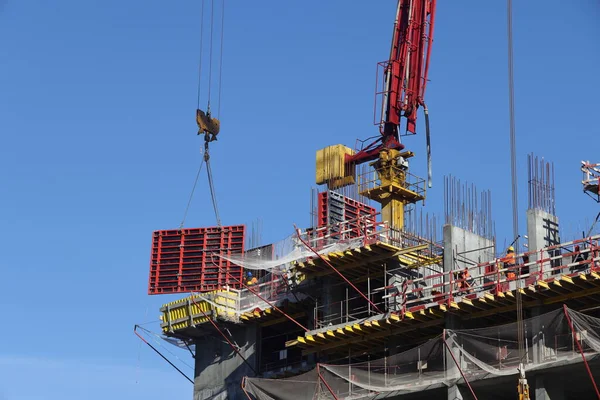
(331, 166)
(176, 314)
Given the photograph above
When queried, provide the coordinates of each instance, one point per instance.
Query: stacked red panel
(335, 208)
(322, 215)
(186, 260)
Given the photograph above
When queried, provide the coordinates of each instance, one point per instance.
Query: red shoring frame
(587, 367)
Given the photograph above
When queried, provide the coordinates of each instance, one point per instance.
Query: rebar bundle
(467, 208)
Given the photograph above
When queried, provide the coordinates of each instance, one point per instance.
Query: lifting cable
(221, 58)
(200, 60)
(209, 133)
(513, 171)
(211, 185)
(191, 195)
(160, 354)
(210, 52)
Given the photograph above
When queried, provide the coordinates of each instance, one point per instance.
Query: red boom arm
(405, 75)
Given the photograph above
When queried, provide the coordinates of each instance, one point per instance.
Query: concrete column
(543, 231)
(549, 389)
(464, 249)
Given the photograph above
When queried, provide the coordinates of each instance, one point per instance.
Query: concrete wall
(219, 369)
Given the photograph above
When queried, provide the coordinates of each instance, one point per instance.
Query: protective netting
(278, 258)
(444, 360)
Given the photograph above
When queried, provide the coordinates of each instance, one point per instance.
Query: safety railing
(591, 179)
(497, 276)
(494, 277)
(271, 291)
(364, 228)
(372, 180)
(367, 230)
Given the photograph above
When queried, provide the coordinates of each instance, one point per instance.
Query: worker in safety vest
(251, 279)
(509, 262)
(465, 282)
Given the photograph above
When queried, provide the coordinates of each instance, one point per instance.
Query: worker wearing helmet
(251, 279)
(465, 281)
(509, 263)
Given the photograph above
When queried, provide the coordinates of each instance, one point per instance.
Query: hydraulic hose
(428, 139)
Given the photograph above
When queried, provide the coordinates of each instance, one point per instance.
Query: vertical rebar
(466, 207)
(541, 189)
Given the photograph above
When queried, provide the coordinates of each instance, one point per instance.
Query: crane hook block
(207, 125)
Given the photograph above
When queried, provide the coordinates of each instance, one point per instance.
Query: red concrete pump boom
(405, 76)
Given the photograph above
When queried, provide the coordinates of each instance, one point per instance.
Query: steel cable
(221, 59)
(191, 194)
(212, 191)
(201, 42)
(513, 170)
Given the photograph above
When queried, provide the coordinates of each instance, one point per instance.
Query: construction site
(375, 298)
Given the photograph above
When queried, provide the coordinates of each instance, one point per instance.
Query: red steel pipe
(325, 382)
(458, 366)
(308, 246)
(587, 367)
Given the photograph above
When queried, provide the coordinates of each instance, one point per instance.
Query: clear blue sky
(97, 103)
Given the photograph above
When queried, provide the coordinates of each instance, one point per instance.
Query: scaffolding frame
(591, 180)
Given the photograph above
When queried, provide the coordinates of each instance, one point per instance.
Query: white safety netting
(442, 361)
(280, 255)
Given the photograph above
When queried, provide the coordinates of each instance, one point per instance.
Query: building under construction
(375, 300)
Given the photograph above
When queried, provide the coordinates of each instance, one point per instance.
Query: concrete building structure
(372, 296)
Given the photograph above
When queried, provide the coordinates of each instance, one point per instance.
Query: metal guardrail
(371, 180)
(493, 277)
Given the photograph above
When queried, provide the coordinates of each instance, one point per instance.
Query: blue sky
(97, 103)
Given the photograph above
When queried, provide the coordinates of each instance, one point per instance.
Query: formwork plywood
(186, 260)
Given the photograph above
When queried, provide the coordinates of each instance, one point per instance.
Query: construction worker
(578, 258)
(251, 279)
(465, 282)
(509, 264)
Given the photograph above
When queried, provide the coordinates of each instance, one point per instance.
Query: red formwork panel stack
(335, 208)
(185, 260)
